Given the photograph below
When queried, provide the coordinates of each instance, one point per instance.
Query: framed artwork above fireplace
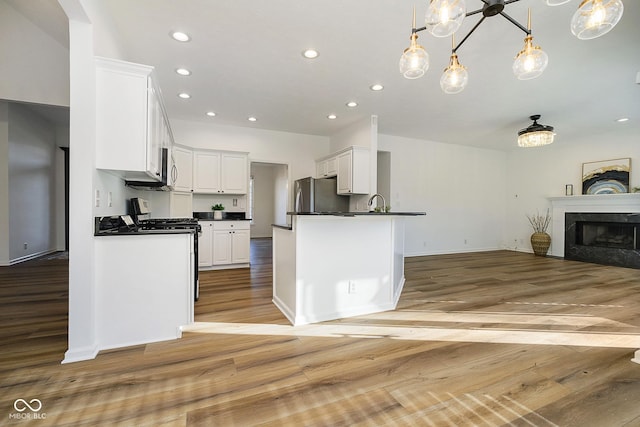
(606, 176)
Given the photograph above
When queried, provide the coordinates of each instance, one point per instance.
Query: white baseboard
(31, 256)
(80, 354)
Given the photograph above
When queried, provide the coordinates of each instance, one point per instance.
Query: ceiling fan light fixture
(595, 18)
(444, 17)
(536, 135)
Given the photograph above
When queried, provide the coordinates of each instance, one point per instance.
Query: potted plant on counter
(540, 240)
(217, 211)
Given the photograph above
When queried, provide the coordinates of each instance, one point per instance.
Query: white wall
(281, 181)
(4, 183)
(264, 199)
(26, 52)
(537, 173)
(32, 190)
(462, 190)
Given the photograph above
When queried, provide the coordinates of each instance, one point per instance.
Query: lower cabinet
(223, 243)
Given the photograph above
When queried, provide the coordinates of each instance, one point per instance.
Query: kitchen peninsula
(334, 265)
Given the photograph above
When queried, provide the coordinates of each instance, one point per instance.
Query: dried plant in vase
(540, 240)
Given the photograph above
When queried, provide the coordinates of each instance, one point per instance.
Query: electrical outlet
(235, 202)
(25, 245)
(465, 241)
(110, 199)
(97, 199)
(352, 287)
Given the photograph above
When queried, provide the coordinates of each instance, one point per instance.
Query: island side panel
(398, 258)
(144, 288)
(284, 271)
(344, 266)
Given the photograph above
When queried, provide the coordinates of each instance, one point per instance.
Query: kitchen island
(336, 265)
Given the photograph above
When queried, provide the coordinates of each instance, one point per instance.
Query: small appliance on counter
(318, 195)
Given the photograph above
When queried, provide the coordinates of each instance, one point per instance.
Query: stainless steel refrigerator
(318, 195)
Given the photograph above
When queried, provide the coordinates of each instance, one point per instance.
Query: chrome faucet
(384, 203)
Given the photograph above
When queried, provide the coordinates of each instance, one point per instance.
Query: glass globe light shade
(455, 77)
(414, 62)
(530, 61)
(444, 17)
(595, 18)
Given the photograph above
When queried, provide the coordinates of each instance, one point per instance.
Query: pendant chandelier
(444, 17)
(536, 135)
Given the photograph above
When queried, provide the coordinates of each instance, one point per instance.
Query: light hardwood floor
(482, 339)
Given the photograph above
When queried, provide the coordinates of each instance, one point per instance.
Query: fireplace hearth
(603, 238)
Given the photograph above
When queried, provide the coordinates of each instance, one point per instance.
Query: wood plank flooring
(482, 339)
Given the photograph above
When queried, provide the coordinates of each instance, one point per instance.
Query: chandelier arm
(475, 12)
(468, 34)
(510, 1)
(516, 23)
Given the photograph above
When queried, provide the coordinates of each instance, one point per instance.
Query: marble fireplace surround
(593, 203)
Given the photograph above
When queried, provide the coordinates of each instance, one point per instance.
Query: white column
(82, 336)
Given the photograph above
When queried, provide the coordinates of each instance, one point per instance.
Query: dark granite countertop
(282, 226)
(123, 232)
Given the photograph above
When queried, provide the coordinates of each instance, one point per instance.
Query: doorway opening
(268, 197)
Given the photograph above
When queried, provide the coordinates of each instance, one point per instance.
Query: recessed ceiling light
(252, 119)
(352, 104)
(332, 117)
(310, 54)
(376, 87)
(623, 119)
(184, 95)
(183, 71)
(180, 36)
(211, 114)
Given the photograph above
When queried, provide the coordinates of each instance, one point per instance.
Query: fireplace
(603, 238)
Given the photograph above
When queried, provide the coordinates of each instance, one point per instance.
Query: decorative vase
(217, 214)
(540, 243)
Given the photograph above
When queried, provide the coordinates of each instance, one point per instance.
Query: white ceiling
(246, 59)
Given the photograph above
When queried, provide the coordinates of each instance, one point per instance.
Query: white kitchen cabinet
(220, 172)
(231, 242)
(182, 173)
(327, 167)
(131, 123)
(223, 243)
(353, 171)
(180, 204)
(234, 173)
(205, 244)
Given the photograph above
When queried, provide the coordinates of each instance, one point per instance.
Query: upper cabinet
(220, 172)
(327, 167)
(182, 170)
(131, 124)
(353, 171)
